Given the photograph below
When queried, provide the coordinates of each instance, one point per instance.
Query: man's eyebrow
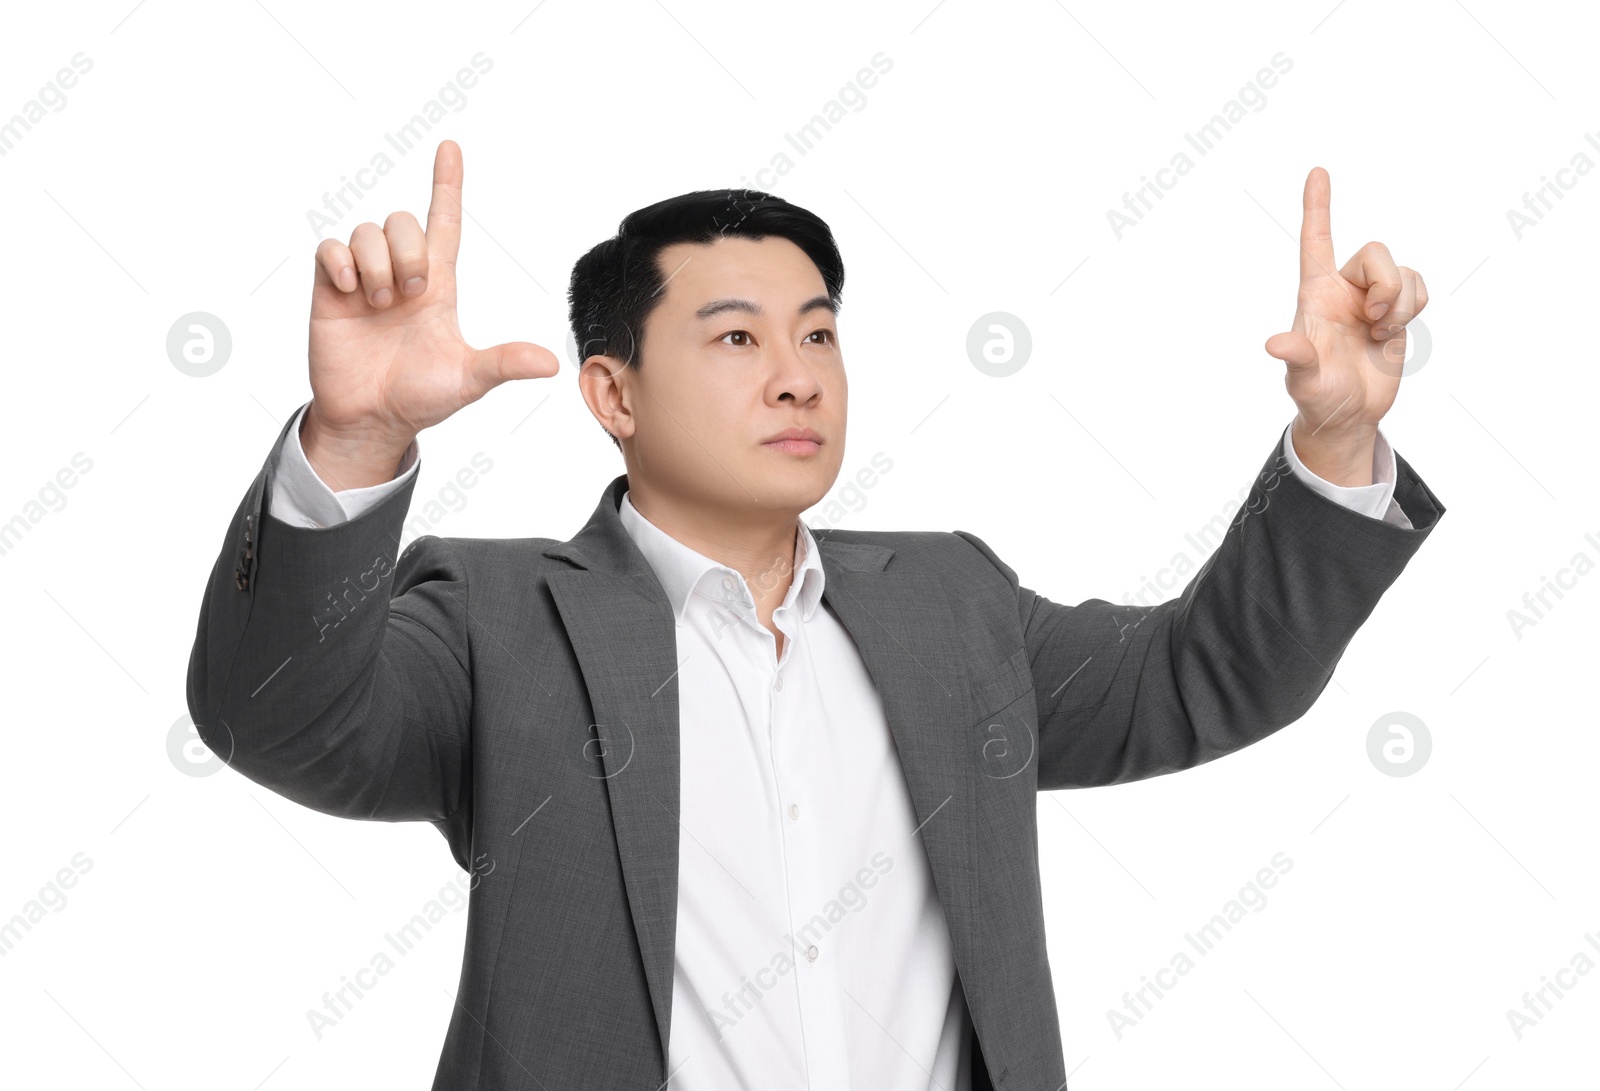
(719, 306)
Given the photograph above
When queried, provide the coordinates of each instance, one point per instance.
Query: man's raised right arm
(327, 665)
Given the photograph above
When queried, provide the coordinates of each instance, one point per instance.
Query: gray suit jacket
(473, 683)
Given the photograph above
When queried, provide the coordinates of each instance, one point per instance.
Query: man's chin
(792, 489)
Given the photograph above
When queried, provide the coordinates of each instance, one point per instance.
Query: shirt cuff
(1375, 501)
(302, 498)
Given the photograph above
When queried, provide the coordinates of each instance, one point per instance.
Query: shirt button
(727, 583)
(812, 952)
(779, 683)
(794, 811)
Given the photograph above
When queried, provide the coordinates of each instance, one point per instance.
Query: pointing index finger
(1316, 238)
(444, 210)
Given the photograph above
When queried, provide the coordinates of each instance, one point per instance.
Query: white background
(977, 177)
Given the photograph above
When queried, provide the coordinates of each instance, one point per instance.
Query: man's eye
(827, 336)
(737, 333)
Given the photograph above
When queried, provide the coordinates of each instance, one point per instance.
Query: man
(748, 806)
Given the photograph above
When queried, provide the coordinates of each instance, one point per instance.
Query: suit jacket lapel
(622, 631)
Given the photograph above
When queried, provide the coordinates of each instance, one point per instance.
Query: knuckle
(331, 253)
(408, 252)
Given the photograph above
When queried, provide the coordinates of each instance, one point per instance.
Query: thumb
(512, 360)
(1293, 348)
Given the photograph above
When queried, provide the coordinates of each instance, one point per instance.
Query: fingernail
(347, 279)
(1378, 311)
(381, 297)
(413, 286)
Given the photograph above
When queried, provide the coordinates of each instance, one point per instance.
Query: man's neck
(761, 546)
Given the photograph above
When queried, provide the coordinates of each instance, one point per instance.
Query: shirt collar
(681, 570)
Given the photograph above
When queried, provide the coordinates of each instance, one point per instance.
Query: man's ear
(603, 382)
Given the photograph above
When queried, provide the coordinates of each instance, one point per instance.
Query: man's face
(740, 347)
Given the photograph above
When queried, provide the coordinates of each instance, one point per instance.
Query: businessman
(748, 805)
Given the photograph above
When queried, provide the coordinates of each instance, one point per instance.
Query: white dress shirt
(811, 948)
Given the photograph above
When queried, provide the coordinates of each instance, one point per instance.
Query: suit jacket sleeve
(1126, 692)
(333, 672)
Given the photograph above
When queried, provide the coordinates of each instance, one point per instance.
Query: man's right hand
(387, 357)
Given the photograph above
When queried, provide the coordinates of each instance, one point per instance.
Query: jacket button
(240, 580)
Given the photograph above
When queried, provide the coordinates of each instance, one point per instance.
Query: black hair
(617, 284)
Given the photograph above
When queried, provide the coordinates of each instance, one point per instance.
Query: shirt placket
(728, 622)
(806, 849)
